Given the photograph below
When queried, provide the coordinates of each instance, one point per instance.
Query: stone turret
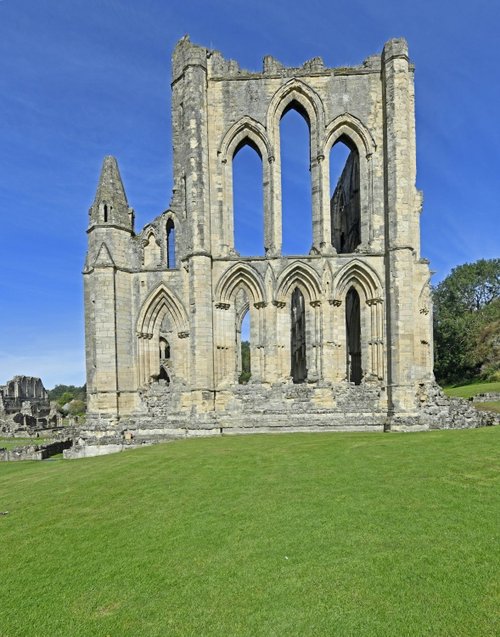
(110, 207)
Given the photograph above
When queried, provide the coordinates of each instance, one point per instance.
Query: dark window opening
(296, 180)
(298, 337)
(248, 200)
(345, 205)
(171, 263)
(105, 213)
(353, 337)
(164, 349)
(163, 375)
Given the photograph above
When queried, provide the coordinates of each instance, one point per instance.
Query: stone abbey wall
(340, 337)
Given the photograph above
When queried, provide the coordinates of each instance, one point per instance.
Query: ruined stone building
(25, 406)
(340, 337)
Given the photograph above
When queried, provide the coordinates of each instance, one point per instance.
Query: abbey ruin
(340, 337)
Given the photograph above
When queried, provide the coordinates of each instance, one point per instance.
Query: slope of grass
(471, 389)
(297, 535)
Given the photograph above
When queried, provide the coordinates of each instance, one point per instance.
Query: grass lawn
(285, 535)
(489, 406)
(471, 389)
(12, 443)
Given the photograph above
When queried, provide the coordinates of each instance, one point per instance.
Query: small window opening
(353, 337)
(164, 349)
(345, 207)
(163, 375)
(171, 262)
(298, 337)
(105, 213)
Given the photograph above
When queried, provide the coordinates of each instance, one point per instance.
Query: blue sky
(80, 79)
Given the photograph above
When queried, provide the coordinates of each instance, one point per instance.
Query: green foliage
(250, 536)
(65, 398)
(77, 407)
(65, 393)
(467, 322)
(246, 363)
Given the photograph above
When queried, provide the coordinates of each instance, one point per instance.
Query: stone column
(401, 219)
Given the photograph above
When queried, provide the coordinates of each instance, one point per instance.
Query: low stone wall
(35, 452)
(92, 450)
(439, 411)
(487, 397)
(173, 413)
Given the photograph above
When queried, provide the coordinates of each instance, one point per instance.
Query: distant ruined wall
(21, 389)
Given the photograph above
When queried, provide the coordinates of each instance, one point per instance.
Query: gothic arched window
(345, 205)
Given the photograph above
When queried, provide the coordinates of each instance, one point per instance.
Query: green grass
(471, 389)
(12, 443)
(390, 535)
(489, 406)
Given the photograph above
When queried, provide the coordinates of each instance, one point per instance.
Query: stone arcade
(340, 338)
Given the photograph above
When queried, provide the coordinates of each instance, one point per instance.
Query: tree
(79, 393)
(466, 310)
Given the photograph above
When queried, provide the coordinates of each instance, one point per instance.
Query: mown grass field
(285, 535)
(473, 389)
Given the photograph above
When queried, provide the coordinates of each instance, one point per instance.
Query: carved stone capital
(279, 304)
(223, 306)
(335, 302)
(183, 334)
(259, 305)
(315, 303)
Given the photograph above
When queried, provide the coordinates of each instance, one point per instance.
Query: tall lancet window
(345, 205)
(298, 338)
(353, 337)
(296, 180)
(248, 200)
(243, 337)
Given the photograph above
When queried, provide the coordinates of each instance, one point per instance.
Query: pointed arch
(360, 275)
(249, 129)
(297, 91)
(296, 94)
(424, 297)
(160, 301)
(298, 274)
(355, 135)
(350, 127)
(245, 131)
(240, 274)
